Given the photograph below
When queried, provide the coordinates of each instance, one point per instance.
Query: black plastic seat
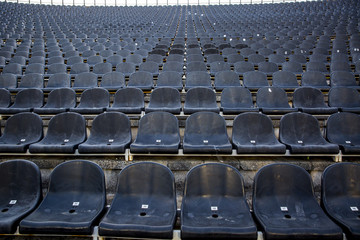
(200, 99)
(142, 80)
(146, 200)
(126, 68)
(20, 131)
(20, 192)
(102, 68)
(311, 100)
(56, 68)
(170, 79)
(158, 133)
(214, 204)
(78, 68)
(110, 133)
(344, 129)
(293, 67)
(197, 79)
(316, 66)
(343, 79)
(59, 80)
(285, 80)
(13, 68)
(35, 68)
(65, 132)
(235, 100)
(285, 205)
(26, 100)
(174, 66)
(224, 79)
(75, 199)
(255, 80)
(93, 100)
(128, 100)
(58, 101)
(113, 81)
(196, 66)
(339, 196)
(164, 99)
(243, 67)
(248, 137)
(5, 98)
(85, 80)
(205, 132)
(8, 80)
(314, 79)
(149, 66)
(300, 132)
(31, 80)
(273, 100)
(347, 99)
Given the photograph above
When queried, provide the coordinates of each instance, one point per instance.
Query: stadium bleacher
(180, 122)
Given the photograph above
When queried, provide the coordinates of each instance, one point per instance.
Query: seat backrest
(32, 80)
(129, 97)
(65, 125)
(56, 68)
(113, 79)
(149, 66)
(102, 68)
(13, 68)
(86, 80)
(58, 80)
(195, 66)
(23, 127)
(198, 78)
(205, 125)
(343, 128)
(169, 79)
(342, 78)
(94, 97)
(300, 128)
(214, 180)
(146, 179)
(114, 124)
(246, 129)
(77, 68)
(30, 97)
(8, 80)
(141, 79)
(126, 68)
(61, 98)
(5, 98)
(340, 181)
(313, 78)
(20, 183)
(255, 79)
(236, 97)
(308, 97)
(79, 179)
(281, 184)
(227, 78)
(344, 97)
(157, 126)
(165, 96)
(284, 79)
(200, 96)
(272, 97)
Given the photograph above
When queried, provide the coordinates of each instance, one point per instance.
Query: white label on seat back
(214, 208)
(66, 140)
(144, 206)
(158, 140)
(354, 209)
(111, 140)
(75, 204)
(253, 141)
(284, 209)
(12, 202)
(23, 140)
(300, 142)
(348, 142)
(205, 141)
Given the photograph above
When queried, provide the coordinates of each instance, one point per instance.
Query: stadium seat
(273, 100)
(20, 131)
(195, 67)
(58, 101)
(314, 79)
(344, 129)
(200, 99)
(255, 80)
(20, 190)
(214, 204)
(285, 80)
(85, 80)
(247, 137)
(65, 132)
(243, 67)
(235, 100)
(8, 81)
(170, 79)
(26, 100)
(56, 68)
(31, 80)
(197, 79)
(141, 80)
(126, 68)
(285, 205)
(144, 205)
(293, 67)
(347, 99)
(205, 132)
(128, 100)
(151, 67)
(113, 81)
(164, 99)
(13, 68)
(224, 79)
(93, 101)
(75, 199)
(300, 132)
(78, 68)
(102, 68)
(218, 66)
(110, 133)
(5, 98)
(343, 79)
(268, 67)
(311, 100)
(339, 196)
